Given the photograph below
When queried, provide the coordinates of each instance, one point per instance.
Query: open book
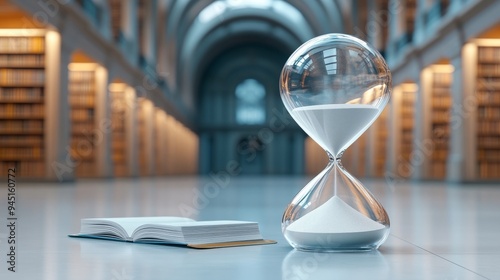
(173, 231)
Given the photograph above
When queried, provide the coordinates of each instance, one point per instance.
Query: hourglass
(335, 86)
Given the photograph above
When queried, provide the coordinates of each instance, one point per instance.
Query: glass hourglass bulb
(335, 86)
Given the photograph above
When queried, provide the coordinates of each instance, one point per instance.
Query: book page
(132, 223)
(200, 224)
(203, 232)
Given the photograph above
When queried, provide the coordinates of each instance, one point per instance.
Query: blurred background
(111, 88)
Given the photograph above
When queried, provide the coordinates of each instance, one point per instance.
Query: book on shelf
(22, 44)
(22, 61)
(488, 115)
(22, 109)
(173, 231)
(489, 54)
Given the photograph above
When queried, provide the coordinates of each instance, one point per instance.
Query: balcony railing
(121, 41)
(92, 10)
(435, 13)
(402, 41)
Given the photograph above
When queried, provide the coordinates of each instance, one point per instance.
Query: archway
(238, 95)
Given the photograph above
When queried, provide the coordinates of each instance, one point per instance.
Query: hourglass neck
(333, 158)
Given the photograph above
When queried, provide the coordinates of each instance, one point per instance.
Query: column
(129, 27)
(455, 166)
(422, 129)
(354, 16)
(162, 56)
(150, 139)
(396, 27)
(103, 124)
(57, 122)
(150, 31)
(419, 33)
(461, 163)
(131, 123)
(105, 27)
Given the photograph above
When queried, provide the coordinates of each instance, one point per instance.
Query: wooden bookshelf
(160, 141)
(181, 148)
(408, 98)
(189, 153)
(22, 105)
(361, 155)
(193, 152)
(381, 138)
(173, 133)
(440, 119)
(142, 119)
(82, 95)
(488, 112)
(119, 137)
(315, 157)
(175, 146)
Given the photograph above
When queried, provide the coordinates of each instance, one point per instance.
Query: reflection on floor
(438, 231)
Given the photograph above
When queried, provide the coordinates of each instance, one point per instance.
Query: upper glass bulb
(335, 86)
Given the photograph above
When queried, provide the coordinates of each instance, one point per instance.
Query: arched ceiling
(197, 31)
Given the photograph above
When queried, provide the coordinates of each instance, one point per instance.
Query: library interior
(112, 108)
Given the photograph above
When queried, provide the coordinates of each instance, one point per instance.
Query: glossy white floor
(438, 231)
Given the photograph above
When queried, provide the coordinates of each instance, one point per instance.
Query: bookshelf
(193, 151)
(175, 146)
(160, 147)
(146, 136)
(440, 118)
(380, 143)
(173, 162)
(22, 103)
(82, 99)
(141, 124)
(488, 112)
(407, 111)
(157, 141)
(361, 155)
(119, 115)
(181, 151)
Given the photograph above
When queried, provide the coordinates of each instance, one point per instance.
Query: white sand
(335, 126)
(333, 225)
(334, 216)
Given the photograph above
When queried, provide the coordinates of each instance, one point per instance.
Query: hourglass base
(336, 242)
(341, 250)
(335, 213)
